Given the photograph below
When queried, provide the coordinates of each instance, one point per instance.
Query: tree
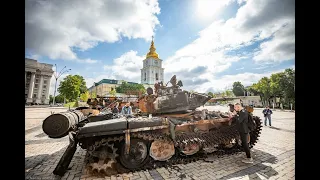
(210, 94)
(130, 89)
(263, 86)
(113, 93)
(59, 99)
(72, 86)
(238, 88)
(84, 96)
(83, 86)
(229, 93)
(50, 99)
(288, 87)
(277, 81)
(253, 90)
(93, 95)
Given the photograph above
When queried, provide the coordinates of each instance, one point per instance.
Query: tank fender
(172, 128)
(127, 141)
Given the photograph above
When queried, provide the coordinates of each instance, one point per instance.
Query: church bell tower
(152, 71)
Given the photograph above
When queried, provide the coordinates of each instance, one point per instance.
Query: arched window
(157, 77)
(145, 76)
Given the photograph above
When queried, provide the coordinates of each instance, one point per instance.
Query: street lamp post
(56, 76)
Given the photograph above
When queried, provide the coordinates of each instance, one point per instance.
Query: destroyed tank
(167, 131)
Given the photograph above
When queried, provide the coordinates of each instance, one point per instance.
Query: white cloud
(56, 28)
(207, 9)
(220, 84)
(198, 63)
(280, 48)
(270, 20)
(126, 67)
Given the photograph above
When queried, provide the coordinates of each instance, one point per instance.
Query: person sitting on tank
(115, 109)
(126, 110)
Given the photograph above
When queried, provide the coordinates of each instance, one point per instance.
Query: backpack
(251, 123)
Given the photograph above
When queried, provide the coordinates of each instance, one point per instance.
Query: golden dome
(152, 53)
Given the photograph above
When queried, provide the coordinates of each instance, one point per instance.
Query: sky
(207, 44)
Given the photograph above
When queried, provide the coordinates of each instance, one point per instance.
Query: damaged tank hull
(119, 144)
(156, 142)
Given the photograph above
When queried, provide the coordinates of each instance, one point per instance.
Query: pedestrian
(243, 129)
(267, 115)
(126, 109)
(115, 109)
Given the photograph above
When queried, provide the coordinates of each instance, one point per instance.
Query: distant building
(37, 81)
(103, 87)
(152, 71)
(251, 100)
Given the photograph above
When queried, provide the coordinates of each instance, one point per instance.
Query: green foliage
(84, 96)
(130, 89)
(229, 93)
(93, 95)
(279, 85)
(238, 89)
(210, 94)
(71, 104)
(59, 98)
(72, 86)
(113, 93)
(50, 99)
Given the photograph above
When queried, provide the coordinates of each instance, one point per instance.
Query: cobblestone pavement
(274, 155)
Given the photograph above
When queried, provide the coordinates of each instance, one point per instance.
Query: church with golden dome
(152, 71)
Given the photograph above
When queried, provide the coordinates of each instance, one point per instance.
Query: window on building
(43, 96)
(44, 87)
(157, 78)
(145, 76)
(34, 95)
(37, 80)
(45, 82)
(36, 86)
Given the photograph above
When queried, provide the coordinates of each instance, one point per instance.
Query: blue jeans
(265, 120)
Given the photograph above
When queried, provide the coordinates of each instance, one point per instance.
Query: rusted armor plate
(145, 122)
(103, 126)
(100, 117)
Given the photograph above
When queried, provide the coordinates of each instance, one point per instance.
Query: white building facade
(37, 81)
(152, 71)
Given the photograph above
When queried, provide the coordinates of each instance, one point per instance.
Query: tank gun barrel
(67, 156)
(60, 124)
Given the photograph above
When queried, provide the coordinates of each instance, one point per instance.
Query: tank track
(218, 136)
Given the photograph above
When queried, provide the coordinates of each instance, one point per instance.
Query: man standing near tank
(267, 115)
(241, 117)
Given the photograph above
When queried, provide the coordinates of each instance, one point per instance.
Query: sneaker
(248, 161)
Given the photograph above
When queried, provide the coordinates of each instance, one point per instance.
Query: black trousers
(244, 143)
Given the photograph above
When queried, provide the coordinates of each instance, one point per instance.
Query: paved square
(274, 154)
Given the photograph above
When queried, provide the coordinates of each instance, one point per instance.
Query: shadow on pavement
(42, 166)
(280, 129)
(40, 141)
(258, 167)
(31, 130)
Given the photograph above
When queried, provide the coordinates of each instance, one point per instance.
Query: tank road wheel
(138, 154)
(190, 149)
(162, 150)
